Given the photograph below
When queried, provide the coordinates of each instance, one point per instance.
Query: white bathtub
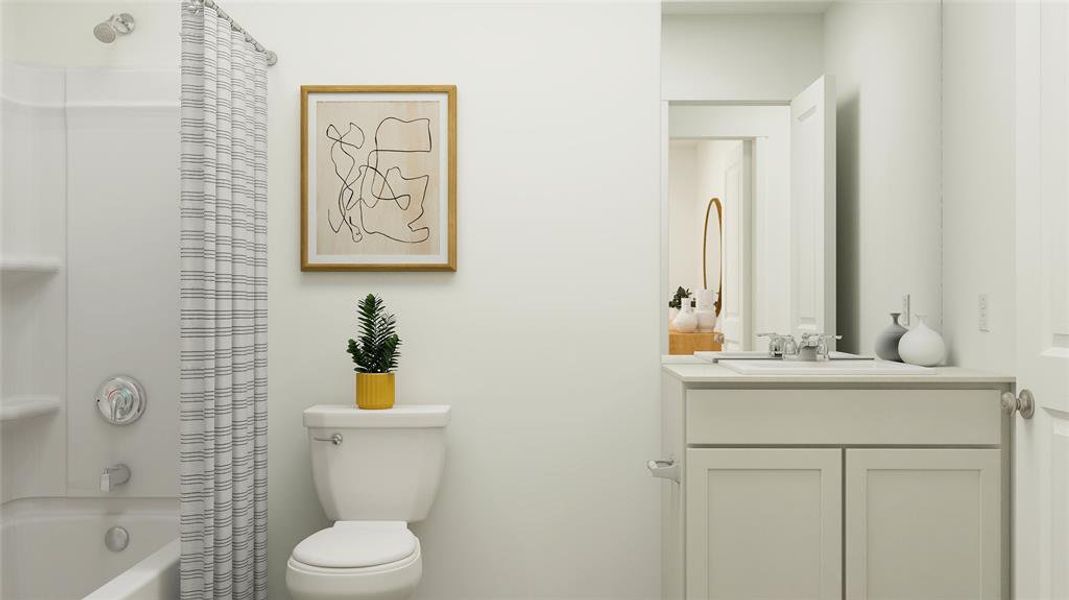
(53, 549)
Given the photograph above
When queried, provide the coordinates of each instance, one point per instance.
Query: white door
(737, 313)
(923, 523)
(1041, 463)
(764, 523)
(812, 285)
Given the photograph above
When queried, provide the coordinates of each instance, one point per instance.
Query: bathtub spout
(113, 476)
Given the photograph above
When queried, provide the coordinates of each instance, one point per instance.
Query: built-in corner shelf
(28, 268)
(30, 264)
(29, 405)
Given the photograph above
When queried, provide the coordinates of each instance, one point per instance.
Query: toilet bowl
(366, 560)
(375, 472)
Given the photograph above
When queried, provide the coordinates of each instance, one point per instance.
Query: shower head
(116, 25)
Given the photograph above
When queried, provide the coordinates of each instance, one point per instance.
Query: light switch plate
(983, 303)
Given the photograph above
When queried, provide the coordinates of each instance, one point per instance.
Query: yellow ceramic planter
(374, 391)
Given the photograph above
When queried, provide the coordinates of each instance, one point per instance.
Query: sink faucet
(809, 346)
(114, 475)
(812, 346)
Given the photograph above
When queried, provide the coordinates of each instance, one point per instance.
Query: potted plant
(375, 353)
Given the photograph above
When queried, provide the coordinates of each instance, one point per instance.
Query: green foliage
(376, 350)
(677, 300)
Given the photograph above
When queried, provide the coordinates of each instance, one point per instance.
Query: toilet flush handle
(335, 439)
(664, 469)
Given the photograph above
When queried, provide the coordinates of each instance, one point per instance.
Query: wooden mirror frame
(705, 254)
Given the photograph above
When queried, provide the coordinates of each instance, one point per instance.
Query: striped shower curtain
(223, 407)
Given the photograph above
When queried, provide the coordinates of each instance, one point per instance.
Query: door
(764, 523)
(1041, 452)
(923, 523)
(812, 208)
(736, 314)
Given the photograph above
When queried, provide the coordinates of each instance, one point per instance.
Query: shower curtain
(223, 406)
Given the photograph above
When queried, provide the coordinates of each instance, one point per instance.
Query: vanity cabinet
(850, 487)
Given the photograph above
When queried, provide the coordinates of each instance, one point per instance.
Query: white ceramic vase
(672, 313)
(686, 320)
(706, 300)
(922, 345)
(706, 320)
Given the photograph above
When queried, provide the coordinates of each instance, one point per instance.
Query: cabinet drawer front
(843, 417)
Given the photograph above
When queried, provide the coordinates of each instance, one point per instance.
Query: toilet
(375, 471)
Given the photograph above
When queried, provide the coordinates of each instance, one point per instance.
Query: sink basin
(828, 367)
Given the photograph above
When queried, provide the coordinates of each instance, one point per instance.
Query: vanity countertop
(713, 375)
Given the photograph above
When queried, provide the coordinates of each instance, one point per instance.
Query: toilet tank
(376, 465)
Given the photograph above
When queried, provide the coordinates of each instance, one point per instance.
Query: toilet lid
(357, 544)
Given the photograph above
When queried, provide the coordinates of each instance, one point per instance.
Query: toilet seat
(382, 560)
(357, 544)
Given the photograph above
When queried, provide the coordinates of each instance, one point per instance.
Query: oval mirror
(712, 250)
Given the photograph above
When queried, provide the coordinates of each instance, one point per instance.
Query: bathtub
(53, 549)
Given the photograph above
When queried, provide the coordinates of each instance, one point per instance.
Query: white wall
(978, 182)
(60, 33)
(684, 228)
(545, 494)
(767, 57)
(885, 57)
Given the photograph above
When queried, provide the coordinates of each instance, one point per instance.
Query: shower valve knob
(121, 400)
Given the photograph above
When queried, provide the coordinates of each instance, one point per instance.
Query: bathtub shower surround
(55, 548)
(223, 406)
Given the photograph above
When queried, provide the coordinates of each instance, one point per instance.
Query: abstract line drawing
(378, 178)
(374, 184)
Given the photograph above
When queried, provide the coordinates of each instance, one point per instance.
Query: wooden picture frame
(378, 189)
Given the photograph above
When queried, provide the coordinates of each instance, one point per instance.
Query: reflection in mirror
(831, 106)
(771, 168)
(709, 200)
(712, 250)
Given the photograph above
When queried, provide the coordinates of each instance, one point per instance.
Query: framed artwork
(378, 178)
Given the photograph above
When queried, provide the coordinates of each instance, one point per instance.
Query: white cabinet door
(764, 523)
(923, 524)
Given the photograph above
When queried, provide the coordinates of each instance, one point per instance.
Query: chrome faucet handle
(114, 475)
(818, 343)
(790, 347)
(824, 346)
(775, 342)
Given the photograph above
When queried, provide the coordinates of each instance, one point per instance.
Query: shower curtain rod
(196, 5)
